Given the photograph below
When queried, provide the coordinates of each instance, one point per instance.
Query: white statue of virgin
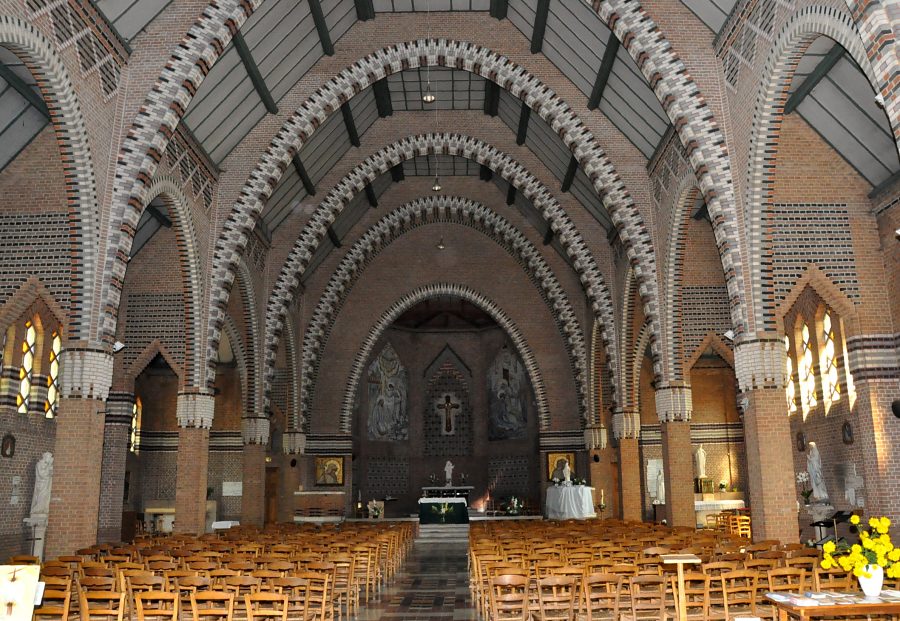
(567, 473)
(448, 473)
(43, 477)
(816, 476)
(660, 487)
(700, 462)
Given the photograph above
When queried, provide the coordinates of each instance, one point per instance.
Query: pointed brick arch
(804, 27)
(391, 227)
(66, 117)
(410, 299)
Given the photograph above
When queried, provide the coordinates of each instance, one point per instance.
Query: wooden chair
(791, 579)
(318, 596)
(101, 606)
(557, 598)
(212, 606)
(266, 606)
(24, 559)
(600, 592)
(739, 592)
(696, 594)
(835, 579)
(55, 603)
(297, 591)
(509, 598)
(648, 598)
(160, 605)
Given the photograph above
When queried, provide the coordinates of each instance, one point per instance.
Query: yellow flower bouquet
(874, 555)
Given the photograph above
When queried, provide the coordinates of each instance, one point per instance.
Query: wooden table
(786, 610)
(680, 560)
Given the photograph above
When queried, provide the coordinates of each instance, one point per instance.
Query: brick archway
(388, 229)
(30, 45)
(461, 146)
(795, 37)
(410, 299)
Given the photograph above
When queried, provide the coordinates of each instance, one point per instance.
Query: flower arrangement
(514, 507)
(875, 548)
(578, 481)
(806, 492)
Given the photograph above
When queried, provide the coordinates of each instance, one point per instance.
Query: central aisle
(433, 584)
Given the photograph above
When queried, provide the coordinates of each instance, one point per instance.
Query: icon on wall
(8, 445)
(847, 432)
(801, 441)
(329, 470)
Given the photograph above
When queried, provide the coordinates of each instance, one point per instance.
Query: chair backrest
(509, 598)
(156, 605)
(99, 583)
(834, 579)
(267, 606)
(24, 559)
(318, 595)
(739, 591)
(104, 605)
(55, 603)
(718, 567)
(696, 593)
(601, 595)
(556, 597)
(648, 597)
(787, 579)
(216, 605)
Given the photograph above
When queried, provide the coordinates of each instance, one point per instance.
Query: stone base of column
(770, 467)
(117, 432)
(630, 475)
(75, 490)
(190, 480)
(678, 460)
(253, 501)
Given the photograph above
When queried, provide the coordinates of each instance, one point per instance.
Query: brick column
(255, 431)
(674, 407)
(760, 369)
(85, 378)
(116, 436)
(195, 413)
(627, 428)
(874, 367)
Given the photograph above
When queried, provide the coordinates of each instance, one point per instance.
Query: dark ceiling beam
(540, 25)
(881, 187)
(332, 236)
(304, 176)
(315, 7)
(383, 98)
(548, 236)
(485, 173)
(699, 209)
(262, 229)
(606, 67)
(397, 174)
(365, 10)
(491, 98)
(350, 124)
(253, 73)
(18, 84)
(511, 195)
(159, 216)
(812, 80)
(370, 195)
(524, 116)
(499, 8)
(570, 175)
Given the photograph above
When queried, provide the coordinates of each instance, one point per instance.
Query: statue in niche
(388, 418)
(448, 407)
(507, 389)
(816, 476)
(700, 462)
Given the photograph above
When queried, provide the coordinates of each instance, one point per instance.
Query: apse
(445, 383)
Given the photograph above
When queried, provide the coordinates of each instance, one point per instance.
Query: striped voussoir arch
(427, 292)
(450, 144)
(32, 47)
(397, 223)
(296, 131)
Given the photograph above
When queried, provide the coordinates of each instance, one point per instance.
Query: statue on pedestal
(40, 502)
(816, 476)
(700, 462)
(448, 473)
(660, 488)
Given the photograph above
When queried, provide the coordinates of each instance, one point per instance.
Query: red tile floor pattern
(432, 585)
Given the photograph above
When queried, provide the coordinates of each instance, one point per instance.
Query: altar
(447, 491)
(570, 502)
(446, 510)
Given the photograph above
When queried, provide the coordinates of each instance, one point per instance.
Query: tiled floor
(433, 584)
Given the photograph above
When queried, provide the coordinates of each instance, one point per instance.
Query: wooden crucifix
(448, 415)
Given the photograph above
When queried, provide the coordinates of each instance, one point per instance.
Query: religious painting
(801, 442)
(8, 446)
(556, 463)
(847, 432)
(329, 471)
(507, 397)
(388, 417)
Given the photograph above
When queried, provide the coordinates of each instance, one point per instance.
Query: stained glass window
(51, 405)
(26, 371)
(831, 387)
(135, 438)
(791, 388)
(807, 372)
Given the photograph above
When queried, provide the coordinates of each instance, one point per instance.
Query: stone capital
(759, 362)
(595, 437)
(195, 410)
(626, 423)
(674, 402)
(85, 373)
(294, 442)
(255, 430)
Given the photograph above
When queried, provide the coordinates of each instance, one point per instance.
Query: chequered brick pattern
(447, 381)
(396, 223)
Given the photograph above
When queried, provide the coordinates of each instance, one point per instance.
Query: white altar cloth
(718, 505)
(566, 503)
(441, 501)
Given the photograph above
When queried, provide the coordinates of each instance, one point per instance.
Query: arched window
(51, 405)
(29, 345)
(806, 370)
(831, 388)
(135, 438)
(791, 388)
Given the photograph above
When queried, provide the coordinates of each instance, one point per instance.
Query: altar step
(441, 533)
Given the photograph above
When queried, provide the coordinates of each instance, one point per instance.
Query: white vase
(872, 586)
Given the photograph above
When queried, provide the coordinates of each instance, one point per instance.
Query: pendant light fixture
(428, 96)
(440, 244)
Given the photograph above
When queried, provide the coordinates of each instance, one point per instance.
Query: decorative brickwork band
(293, 442)
(329, 444)
(626, 424)
(595, 437)
(411, 215)
(85, 373)
(674, 403)
(195, 410)
(255, 430)
(760, 363)
(874, 356)
(119, 408)
(567, 440)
